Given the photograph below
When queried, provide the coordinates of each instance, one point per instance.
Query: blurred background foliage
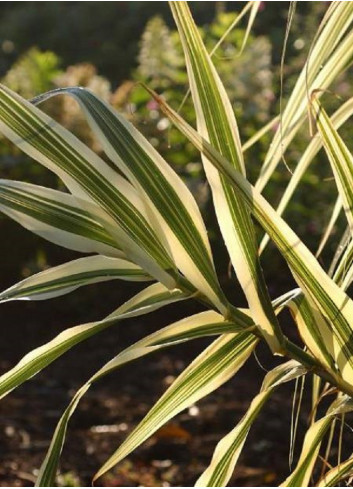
(113, 48)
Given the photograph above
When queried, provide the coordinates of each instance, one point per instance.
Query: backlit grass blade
(300, 477)
(217, 364)
(333, 219)
(338, 118)
(89, 178)
(146, 301)
(337, 474)
(339, 156)
(331, 301)
(200, 325)
(57, 217)
(314, 330)
(344, 272)
(229, 448)
(169, 204)
(328, 57)
(216, 123)
(65, 278)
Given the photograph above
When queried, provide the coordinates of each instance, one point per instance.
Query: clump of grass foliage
(138, 221)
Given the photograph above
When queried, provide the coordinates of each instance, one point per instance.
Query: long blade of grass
(339, 156)
(229, 448)
(146, 301)
(329, 228)
(327, 58)
(188, 384)
(170, 205)
(331, 301)
(63, 279)
(338, 119)
(216, 123)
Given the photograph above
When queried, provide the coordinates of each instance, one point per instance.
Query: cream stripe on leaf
(229, 448)
(330, 300)
(65, 278)
(169, 204)
(89, 178)
(208, 371)
(216, 123)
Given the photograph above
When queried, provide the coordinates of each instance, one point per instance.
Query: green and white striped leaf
(217, 364)
(339, 156)
(333, 219)
(338, 119)
(150, 299)
(229, 448)
(300, 477)
(89, 178)
(344, 272)
(57, 217)
(170, 206)
(65, 278)
(328, 57)
(337, 474)
(314, 330)
(330, 300)
(207, 323)
(216, 123)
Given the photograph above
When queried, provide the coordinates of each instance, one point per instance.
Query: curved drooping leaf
(339, 156)
(65, 278)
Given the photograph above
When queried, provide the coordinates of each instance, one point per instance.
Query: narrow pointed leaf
(338, 119)
(216, 123)
(339, 156)
(169, 203)
(229, 448)
(65, 278)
